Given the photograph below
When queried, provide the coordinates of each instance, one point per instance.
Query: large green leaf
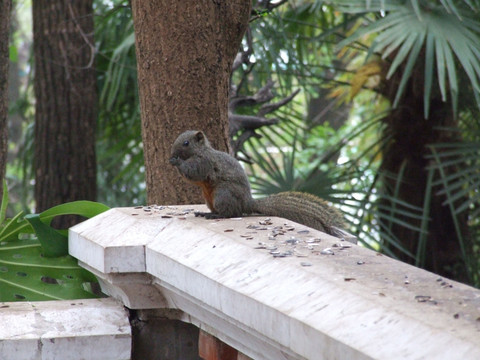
(34, 262)
(26, 275)
(83, 208)
(12, 228)
(53, 243)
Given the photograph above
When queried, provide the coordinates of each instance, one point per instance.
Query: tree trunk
(404, 159)
(66, 96)
(5, 7)
(185, 51)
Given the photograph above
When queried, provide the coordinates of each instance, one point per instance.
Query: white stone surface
(355, 304)
(123, 250)
(64, 330)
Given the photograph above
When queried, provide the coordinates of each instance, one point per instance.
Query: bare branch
(248, 122)
(264, 7)
(262, 96)
(237, 145)
(268, 108)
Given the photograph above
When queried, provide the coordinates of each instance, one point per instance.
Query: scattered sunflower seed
(282, 254)
(292, 241)
(304, 263)
(341, 246)
(228, 230)
(445, 285)
(327, 251)
(256, 227)
(299, 254)
(274, 233)
(305, 231)
(425, 298)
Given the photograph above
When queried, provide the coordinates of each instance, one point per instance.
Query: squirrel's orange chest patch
(208, 193)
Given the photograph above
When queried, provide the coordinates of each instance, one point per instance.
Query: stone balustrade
(273, 289)
(256, 288)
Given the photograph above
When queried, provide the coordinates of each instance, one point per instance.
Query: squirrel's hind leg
(227, 203)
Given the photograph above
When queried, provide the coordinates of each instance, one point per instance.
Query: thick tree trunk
(404, 159)
(5, 7)
(65, 110)
(185, 51)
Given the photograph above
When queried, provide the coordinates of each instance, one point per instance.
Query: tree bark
(185, 51)
(66, 96)
(5, 8)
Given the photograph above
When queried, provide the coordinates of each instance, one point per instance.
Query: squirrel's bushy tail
(303, 208)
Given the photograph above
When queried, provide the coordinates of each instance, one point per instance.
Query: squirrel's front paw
(208, 215)
(175, 160)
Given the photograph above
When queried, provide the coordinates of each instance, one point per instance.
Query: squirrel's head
(188, 144)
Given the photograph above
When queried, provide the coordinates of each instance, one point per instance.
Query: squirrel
(227, 191)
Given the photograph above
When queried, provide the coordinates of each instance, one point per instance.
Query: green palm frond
(447, 34)
(459, 186)
(458, 166)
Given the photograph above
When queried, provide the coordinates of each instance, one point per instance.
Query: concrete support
(159, 337)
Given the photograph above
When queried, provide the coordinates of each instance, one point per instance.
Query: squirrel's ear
(199, 136)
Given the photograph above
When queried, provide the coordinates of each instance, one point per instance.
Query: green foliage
(34, 264)
(343, 166)
(448, 33)
(53, 243)
(292, 45)
(309, 163)
(460, 188)
(297, 46)
(119, 140)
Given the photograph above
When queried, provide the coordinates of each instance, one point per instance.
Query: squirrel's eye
(186, 143)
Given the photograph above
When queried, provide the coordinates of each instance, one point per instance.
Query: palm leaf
(446, 33)
(458, 185)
